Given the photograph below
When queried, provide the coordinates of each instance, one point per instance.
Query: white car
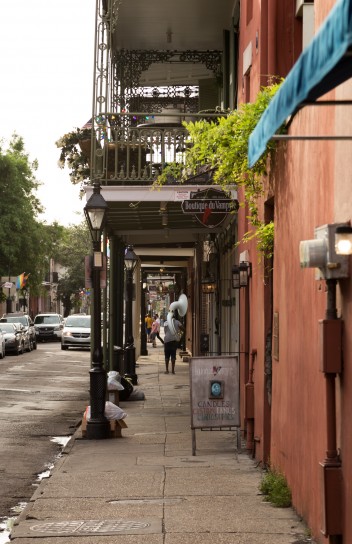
(48, 326)
(76, 332)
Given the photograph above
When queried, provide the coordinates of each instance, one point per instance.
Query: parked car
(21, 317)
(48, 326)
(2, 345)
(14, 342)
(76, 332)
(26, 339)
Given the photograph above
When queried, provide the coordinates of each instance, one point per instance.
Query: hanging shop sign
(210, 206)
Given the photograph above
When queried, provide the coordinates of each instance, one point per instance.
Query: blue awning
(325, 63)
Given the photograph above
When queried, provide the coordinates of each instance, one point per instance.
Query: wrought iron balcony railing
(136, 155)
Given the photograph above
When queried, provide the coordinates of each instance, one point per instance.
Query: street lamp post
(131, 260)
(97, 426)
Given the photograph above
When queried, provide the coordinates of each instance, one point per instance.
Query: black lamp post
(97, 426)
(131, 260)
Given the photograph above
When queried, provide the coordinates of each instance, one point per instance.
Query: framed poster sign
(215, 393)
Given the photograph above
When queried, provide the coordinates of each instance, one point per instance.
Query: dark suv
(48, 326)
(20, 317)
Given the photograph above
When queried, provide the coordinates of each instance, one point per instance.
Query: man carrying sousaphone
(173, 331)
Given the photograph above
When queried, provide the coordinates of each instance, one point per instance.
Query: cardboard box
(116, 425)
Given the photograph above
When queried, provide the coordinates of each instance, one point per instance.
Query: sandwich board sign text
(214, 393)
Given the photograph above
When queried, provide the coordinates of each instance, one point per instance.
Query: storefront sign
(209, 206)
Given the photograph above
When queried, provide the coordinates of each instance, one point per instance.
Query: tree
(20, 231)
(74, 246)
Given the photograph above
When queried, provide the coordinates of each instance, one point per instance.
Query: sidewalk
(147, 488)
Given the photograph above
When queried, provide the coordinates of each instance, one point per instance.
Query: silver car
(76, 332)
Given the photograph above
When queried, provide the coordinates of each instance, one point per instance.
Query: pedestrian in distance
(148, 325)
(171, 341)
(156, 331)
(157, 319)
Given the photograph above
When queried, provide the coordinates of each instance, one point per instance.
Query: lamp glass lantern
(131, 259)
(244, 273)
(208, 286)
(236, 277)
(95, 212)
(343, 240)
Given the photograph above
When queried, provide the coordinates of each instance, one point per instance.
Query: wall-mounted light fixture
(241, 274)
(322, 255)
(208, 285)
(343, 240)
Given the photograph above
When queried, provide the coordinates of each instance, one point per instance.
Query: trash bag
(111, 411)
(114, 381)
(128, 388)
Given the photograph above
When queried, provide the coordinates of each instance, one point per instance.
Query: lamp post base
(97, 426)
(97, 430)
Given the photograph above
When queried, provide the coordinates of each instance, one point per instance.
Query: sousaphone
(181, 306)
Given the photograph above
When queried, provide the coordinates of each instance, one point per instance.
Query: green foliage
(223, 146)
(274, 487)
(171, 172)
(73, 247)
(21, 234)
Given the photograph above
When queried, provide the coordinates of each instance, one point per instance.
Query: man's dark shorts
(170, 349)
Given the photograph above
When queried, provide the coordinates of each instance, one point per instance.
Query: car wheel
(64, 347)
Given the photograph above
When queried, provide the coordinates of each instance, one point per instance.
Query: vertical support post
(130, 350)
(144, 348)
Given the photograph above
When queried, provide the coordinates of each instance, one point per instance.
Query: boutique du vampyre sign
(210, 206)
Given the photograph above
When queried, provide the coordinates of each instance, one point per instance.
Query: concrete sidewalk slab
(147, 488)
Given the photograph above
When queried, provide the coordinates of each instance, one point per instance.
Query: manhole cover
(91, 526)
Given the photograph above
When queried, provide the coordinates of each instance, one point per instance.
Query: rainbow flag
(21, 280)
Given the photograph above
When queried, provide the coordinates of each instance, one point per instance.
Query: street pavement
(147, 488)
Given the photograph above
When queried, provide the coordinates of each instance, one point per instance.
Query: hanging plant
(222, 145)
(75, 154)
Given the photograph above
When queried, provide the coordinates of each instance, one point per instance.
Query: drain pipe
(331, 469)
(249, 407)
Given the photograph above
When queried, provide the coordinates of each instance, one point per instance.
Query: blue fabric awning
(325, 63)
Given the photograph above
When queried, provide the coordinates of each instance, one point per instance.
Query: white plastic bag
(111, 411)
(114, 383)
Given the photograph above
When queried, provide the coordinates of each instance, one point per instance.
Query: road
(43, 394)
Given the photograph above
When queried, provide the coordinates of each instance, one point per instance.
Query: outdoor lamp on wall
(208, 285)
(245, 272)
(241, 274)
(343, 240)
(236, 277)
